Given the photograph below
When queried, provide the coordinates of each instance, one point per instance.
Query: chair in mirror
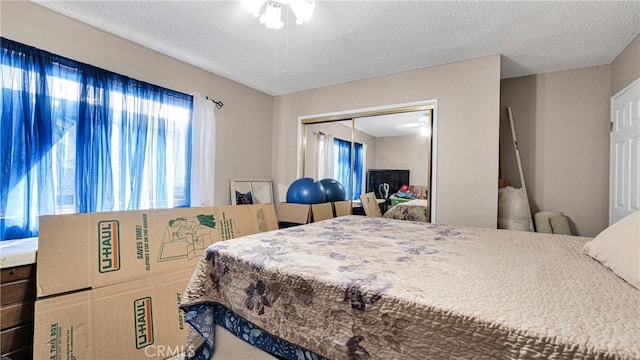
(251, 191)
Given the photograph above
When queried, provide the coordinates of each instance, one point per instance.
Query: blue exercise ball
(333, 189)
(306, 191)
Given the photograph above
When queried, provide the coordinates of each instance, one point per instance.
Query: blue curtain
(342, 167)
(357, 171)
(342, 164)
(76, 138)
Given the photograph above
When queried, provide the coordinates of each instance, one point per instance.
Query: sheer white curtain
(324, 161)
(203, 151)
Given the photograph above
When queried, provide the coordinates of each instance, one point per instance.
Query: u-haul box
(133, 320)
(82, 251)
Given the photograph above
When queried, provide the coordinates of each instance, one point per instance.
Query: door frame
(633, 84)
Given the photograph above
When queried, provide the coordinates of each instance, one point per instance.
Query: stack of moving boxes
(290, 214)
(109, 284)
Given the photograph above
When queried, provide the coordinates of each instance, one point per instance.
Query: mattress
(359, 287)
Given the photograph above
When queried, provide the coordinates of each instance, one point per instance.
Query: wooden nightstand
(17, 296)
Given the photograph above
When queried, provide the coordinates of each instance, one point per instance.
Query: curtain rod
(218, 103)
(319, 133)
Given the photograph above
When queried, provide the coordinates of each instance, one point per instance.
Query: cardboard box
(343, 208)
(133, 320)
(84, 251)
(291, 213)
(294, 213)
(370, 205)
(322, 211)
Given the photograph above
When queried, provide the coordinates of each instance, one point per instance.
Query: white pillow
(618, 248)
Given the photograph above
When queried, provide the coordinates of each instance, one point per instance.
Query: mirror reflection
(400, 155)
(376, 153)
(251, 191)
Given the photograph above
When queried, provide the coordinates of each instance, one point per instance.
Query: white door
(624, 188)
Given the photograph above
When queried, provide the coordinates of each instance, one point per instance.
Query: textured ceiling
(353, 40)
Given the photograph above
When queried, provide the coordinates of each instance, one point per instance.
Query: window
(76, 138)
(342, 166)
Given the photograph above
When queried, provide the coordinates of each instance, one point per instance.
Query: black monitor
(395, 179)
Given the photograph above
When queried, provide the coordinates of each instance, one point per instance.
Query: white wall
(404, 152)
(562, 126)
(244, 124)
(468, 94)
(625, 68)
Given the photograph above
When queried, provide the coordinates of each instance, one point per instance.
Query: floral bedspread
(358, 287)
(414, 210)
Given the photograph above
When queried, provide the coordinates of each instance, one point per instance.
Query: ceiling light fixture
(425, 131)
(271, 17)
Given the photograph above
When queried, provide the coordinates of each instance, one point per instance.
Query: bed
(412, 210)
(18, 252)
(358, 287)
